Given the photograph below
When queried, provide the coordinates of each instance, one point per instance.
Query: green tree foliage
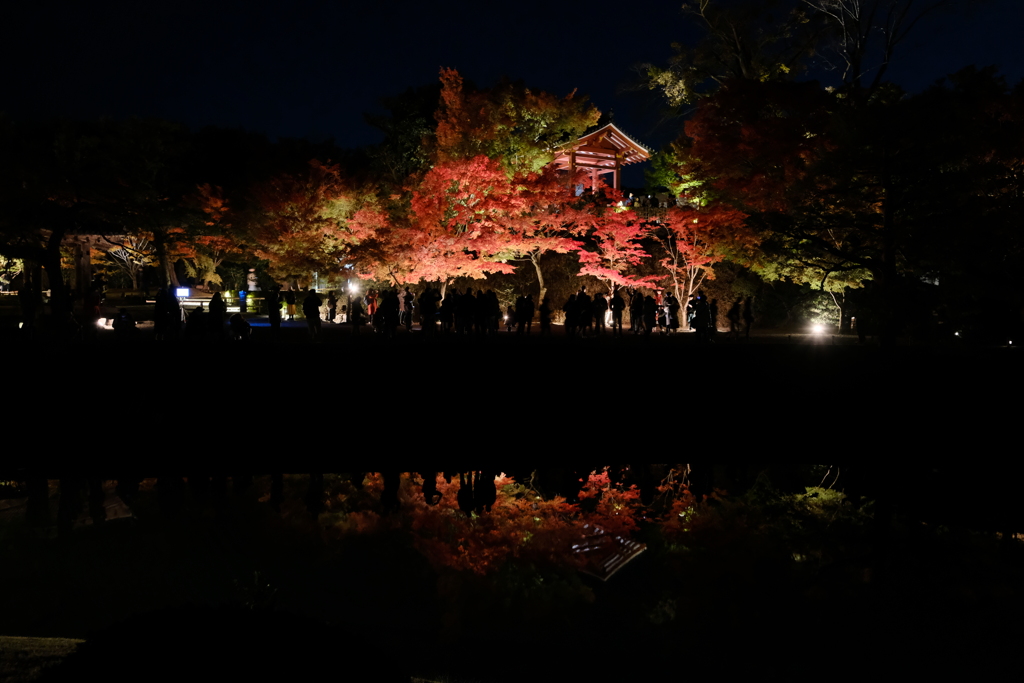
(758, 41)
(849, 187)
(519, 127)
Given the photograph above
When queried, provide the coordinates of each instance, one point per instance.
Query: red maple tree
(614, 239)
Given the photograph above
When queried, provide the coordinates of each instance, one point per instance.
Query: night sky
(310, 68)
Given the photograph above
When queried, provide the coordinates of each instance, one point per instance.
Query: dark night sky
(309, 68)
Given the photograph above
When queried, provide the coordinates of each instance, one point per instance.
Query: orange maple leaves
(521, 526)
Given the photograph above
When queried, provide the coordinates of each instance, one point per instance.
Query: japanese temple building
(603, 151)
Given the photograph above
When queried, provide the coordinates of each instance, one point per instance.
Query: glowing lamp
(181, 291)
(817, 329)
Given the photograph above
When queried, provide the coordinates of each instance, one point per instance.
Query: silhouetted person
(672, 313)
(175, 316)
(240, 328)
(600, 308)
(617, 306)
(446, 313)
(465, 494)
(485, 493)
(407, 306)
(289, 300)
(584, 311)
(493, 312)
(701, 318)
(636, 312)
(650, 314)
(659, 302)
(571, 316)
(388, 311)
(332, 307)
(429, 486)
(734, 318)
(389, 496)
(524, 317)
(356, 315)
(218, 311)
(311, 309)
(428, 310)
(124, 325)
(196, 324)
(545, 317)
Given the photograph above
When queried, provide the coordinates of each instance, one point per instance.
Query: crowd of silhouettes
(466, 312)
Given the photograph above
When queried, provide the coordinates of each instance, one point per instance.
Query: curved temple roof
(604, 150)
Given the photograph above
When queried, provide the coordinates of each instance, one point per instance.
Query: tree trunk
(535, 260)
(844, 324)
(170, 277)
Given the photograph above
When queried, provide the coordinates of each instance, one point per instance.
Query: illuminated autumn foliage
(693, 240)
(520, 127)
(614, 239)
(305, 223)
(753, 144)
(522, 525)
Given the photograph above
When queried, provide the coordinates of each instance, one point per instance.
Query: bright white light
(102, 322)
(181, 292)
(352, 288)
(818, 329)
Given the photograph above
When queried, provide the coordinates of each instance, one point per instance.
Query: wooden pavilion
(604, 150)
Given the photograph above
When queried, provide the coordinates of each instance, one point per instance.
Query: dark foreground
(413, 394)
(273, 596)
